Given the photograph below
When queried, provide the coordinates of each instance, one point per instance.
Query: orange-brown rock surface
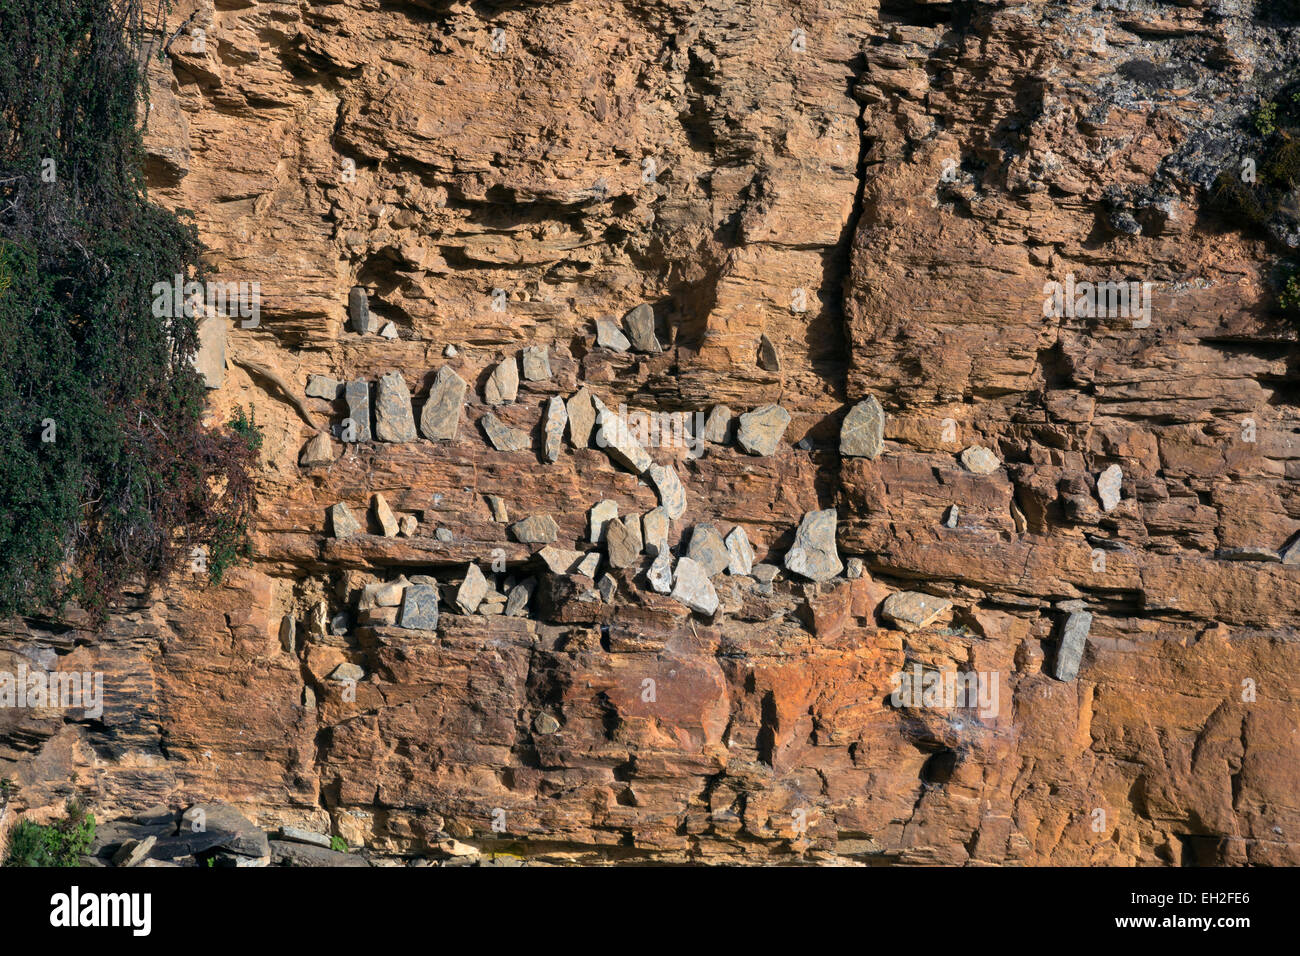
(883, 190)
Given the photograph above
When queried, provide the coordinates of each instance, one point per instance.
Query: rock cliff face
(822, 204)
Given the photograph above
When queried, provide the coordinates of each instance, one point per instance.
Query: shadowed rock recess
(646, 256)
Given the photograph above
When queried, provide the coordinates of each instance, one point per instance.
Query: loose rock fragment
(911, 609)
(342, 521)
(472, 590)
(347, 671)
(1265, 555)
(672, 496)
(617, 441)
(1290, 555)
(503, 384)
(640, 326)
(1109, 484)
(419, 608)
(708, 550)
(814, 554)
(718, 426)
(537, 363)
(622, 548)
(393, 418)
(768, 358)
(608, 336)
(319, 451)
(518, 598)
(560, 560)
(357, 394)
(553, 429)
(406, 525)
(693, 587)
(951, 520)
(607, 587)
(740, 555)
(536, 529)
(588, 565)
(980, 460)
(600, 513)
(854, 569)
(1074, 637)
(358, 310)
(660, 574)
(582, 418)
(761, 430)
(322, 386)
(502, 436)
(389, 331)
(498, 508)
(441, 414)
(863, 433)
(384, 515)
(654, 531)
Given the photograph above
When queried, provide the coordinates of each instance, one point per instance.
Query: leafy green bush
(338, 844)
(107, 473)
(62, 843)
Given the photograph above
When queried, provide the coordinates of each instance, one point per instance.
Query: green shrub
(107, 473)
(339, 844)
(61, 843)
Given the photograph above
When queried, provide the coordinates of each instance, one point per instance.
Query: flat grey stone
(384, 515)
(518, 598)
(134, 852)
(622, 547)
(672, 496)
(654, 531)
(472, 590)
(389, 331)
(761, 430)
(560, 560)
(1074, 638)
(440, 416)
(394, 421)
(768, 358)
(295, 835)
(740, 555)
(546, 724)
(607, 587)
(503, 384)
(597, 517)
(950, 521)
(242, 836)
(358, 310)
(1109, 485)
(912, 609)
(289, 853)
(322, 386)
(708, 550)
(318, 451)
(718, 427)
(537, 363)
(618, 442)
(863, 433)
(535, 529)
(342, 522)
(502, 436)
(660, 574)
(582, 418)
(693, 587)
(419, 608)
(980, 460)
(1266, 555)
(814, 554)
(557, 417)
(640, 326)
(357, 394)
(588, 565)
(1290, 555)
(608, 336)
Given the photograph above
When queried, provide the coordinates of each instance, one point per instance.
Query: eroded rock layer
(1089, 514)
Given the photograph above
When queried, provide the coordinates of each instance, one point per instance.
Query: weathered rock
(536, 529)
(854, 568)
(296, 835)
(693, 587)
(537, 363)
(134, 852)
(768, 358)
(518, 598)
(609, 337)
(1266, 555)
(502, 436)
(472, 590)
(660, 574)
(863, 433)
(618, 442)
(672, 496)
(1290, 555)
(708, 550)
(814, 554)
(384, 515)
(440, 416)
(342, 521)
(553, 428)
(761, 430)
(654, 531)
(393, 418)
(718, 427)
(560, 560)
(600, 513)
(322, 386)
(640, 326)
(545, 724)
(419, 609)
(210, 358)
(1074, 638)
(1109, 485)
(582, 418)
(319, 451)
(911, 609)
(389, 331)
(357, 394)
(503, 384)
(407, 524)
(588, 565)
(358, 310)
(980, 460)
(498, 508)
(622, 547)
(740, 555)
(289, 853)
(950, 521)
(607, 587)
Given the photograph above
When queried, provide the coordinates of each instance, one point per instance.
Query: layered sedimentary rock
(880, 191)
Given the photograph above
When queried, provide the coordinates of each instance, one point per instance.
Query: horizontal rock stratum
(881, 193)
